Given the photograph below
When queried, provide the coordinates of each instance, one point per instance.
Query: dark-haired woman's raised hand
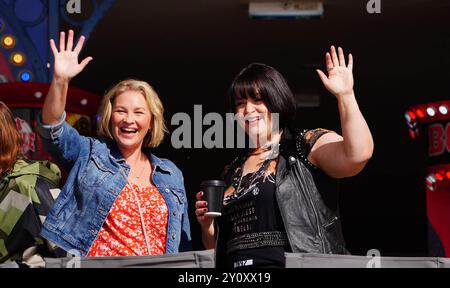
(342, 156)
(339, 80)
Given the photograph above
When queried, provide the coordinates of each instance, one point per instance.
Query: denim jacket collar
(157, 163)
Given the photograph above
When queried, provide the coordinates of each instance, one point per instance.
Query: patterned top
(123, 234)
(26, 196)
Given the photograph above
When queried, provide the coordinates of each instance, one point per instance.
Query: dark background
(189, 51)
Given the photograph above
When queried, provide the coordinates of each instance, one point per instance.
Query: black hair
(262, 82)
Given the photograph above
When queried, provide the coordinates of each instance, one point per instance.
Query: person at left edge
(119, 198)
(27, 192)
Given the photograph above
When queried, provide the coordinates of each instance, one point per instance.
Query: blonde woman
(119, 198)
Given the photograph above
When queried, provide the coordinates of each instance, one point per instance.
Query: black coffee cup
(213, 191)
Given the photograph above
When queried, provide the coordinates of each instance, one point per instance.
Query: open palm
(340, 77)
(66, 59)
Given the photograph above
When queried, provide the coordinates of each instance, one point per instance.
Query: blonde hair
(157, 123)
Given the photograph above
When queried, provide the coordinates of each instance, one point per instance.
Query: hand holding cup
(213, 195)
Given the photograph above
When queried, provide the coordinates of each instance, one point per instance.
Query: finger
(201, 212)
(62, 40)
(199, 195)
(322, 76)
(85, 62)
(53, 47)
(350, 61)
(79, 45)
(70, 40)
(341, 57)
(334, 57)
(328, 62)
(200, 204)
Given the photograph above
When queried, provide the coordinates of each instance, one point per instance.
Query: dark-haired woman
(282, 195)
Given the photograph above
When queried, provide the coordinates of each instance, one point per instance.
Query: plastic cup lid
(213, 183)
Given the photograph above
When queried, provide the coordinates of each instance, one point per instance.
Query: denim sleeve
(69, 144)
(186, 241)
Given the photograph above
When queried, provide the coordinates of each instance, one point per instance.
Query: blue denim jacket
(98, 174)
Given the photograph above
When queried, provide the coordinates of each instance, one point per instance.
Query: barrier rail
(205, 259)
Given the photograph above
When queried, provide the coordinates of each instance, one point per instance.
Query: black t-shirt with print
(251, 221)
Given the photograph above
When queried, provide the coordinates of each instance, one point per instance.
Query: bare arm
(66, 67)
(346, 155)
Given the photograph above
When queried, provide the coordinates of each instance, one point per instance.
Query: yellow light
(8, 42)
(18, 58)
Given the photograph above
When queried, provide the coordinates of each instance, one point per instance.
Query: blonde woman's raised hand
(66, 64)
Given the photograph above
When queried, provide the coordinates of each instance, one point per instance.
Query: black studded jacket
(307, 198)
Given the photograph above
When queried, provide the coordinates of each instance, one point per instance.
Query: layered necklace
(274, 152)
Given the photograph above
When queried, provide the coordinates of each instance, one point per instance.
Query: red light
(420, 113)
(448, 174)
(412, 115)
(439, 176)
(412, 134)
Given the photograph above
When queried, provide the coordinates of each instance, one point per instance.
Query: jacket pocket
(96, 172)
(335, 239)
(330, 223)
(62, 202)
(65, 210)
(178, 195)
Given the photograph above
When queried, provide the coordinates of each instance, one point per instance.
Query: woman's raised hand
(66, 58)
(340, 77)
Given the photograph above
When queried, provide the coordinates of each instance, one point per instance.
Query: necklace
(138, 203)
(141, 218)
(274, 149)
(254, 174)
(240, 178)
(138, 176)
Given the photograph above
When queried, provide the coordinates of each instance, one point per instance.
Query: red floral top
(122, 233)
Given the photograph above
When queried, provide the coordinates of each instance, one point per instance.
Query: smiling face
(255, 118)
(259, 89)
(130, 120)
